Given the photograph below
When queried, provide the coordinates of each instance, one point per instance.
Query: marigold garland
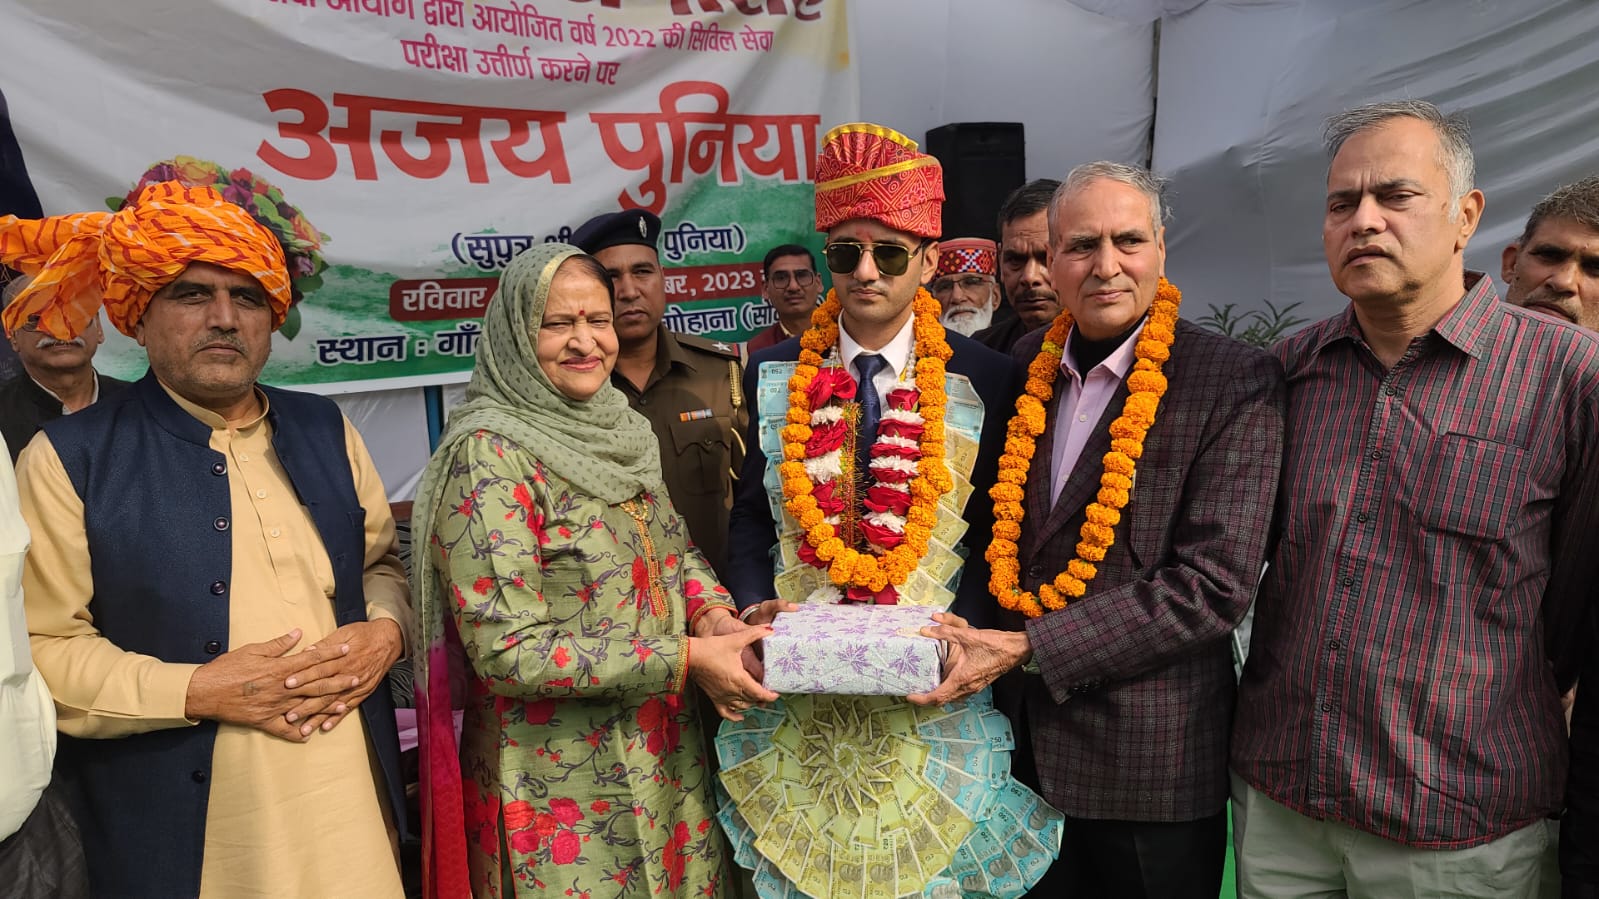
(847, 566)
(1145, 385)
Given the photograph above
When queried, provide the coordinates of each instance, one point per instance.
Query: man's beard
(967, 321)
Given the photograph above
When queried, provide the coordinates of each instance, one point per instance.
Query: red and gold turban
(871, 172)
(121, 259)
(967, 254)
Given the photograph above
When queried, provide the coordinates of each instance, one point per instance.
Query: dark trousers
(1105, 859)
(44, 859)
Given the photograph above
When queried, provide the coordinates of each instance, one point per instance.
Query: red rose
(880, 535)
(887, 499)
(546, 824)
(808, 555)
(827, 498)
(890, 427)
(826, 438)
(518, 814)
(887, 596)
(830, 383)
(565, 848)
(566, 811)
(891, 475)
(891, 451)
(903, 398)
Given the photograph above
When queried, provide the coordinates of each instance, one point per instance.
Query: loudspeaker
(983, 162)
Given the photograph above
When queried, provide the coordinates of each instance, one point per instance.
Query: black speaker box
(983, 162)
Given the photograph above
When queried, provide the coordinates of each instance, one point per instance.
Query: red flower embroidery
(673, 856)
(692, 588)
(523, 498)
(566, 811)
(658, 720)
(518, 814)
(481, 585)
(561, 657)
(565, 848)
(641, 581)
(524, 841)
(600, 807)
(539, 711)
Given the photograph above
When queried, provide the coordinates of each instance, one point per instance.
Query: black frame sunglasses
(844, 256)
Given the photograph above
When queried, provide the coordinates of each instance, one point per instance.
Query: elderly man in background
(790, 286)
(1553, 267)
(1399, 728)
(58, 377)
(964, 283)
(40, 857)
(213, 585)
(1030, 299)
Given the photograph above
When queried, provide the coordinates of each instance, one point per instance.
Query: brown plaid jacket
(1130, 716)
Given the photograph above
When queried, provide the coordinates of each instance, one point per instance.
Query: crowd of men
(1417, 476)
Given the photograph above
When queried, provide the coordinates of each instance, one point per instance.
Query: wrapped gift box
(858, 650)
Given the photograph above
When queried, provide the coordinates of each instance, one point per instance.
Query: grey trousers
(1282, 854)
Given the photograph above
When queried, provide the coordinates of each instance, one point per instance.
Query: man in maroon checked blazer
(1124, 699)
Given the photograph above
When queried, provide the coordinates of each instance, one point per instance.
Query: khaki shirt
(700, 454)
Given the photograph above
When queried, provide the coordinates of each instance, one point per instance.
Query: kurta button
(219, 468)
(1376, 454)
(197, 776)
(1326, 706)
(1333, 644)
(219, 587)
(1034, 571)
(213, 647)
(220, 524)
(1349, 582)
(1361, 518)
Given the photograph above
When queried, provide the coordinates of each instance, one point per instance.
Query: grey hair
(12, 288)
(1577, 201)
(1454, 138)
(1144, 181)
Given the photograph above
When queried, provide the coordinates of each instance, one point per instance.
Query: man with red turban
(964, 283)
(213, 585)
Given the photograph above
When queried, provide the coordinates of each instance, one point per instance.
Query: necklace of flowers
(1145, 385)
(907, 468)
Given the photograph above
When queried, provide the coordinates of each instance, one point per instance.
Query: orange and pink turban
(79, 262)
(871, 172)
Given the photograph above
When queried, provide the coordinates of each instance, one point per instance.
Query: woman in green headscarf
(553, 558)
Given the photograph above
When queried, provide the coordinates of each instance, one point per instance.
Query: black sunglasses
(892, 259)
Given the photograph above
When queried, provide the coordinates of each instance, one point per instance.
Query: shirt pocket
(702, 454)
(1473, 486)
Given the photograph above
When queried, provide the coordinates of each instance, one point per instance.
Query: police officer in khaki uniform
(688, 387)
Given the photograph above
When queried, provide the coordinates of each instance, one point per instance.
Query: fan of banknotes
(875, 798)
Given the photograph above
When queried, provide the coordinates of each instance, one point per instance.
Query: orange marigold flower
(1116, 480)
(1010, 530)
(1098, 514)
(1082, 571)
(1118, 463)
(1112, 497)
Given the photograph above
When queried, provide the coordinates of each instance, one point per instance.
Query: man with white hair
(964, 283)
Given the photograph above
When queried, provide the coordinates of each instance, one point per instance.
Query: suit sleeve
(1207, 578)
(752, 532)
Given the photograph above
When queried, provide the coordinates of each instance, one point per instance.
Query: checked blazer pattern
(1130, 717)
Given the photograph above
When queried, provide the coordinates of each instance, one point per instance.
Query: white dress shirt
(897, 353)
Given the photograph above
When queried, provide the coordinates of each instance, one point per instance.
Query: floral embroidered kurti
(574, 616)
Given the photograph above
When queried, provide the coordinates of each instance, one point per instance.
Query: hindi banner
(406, 150)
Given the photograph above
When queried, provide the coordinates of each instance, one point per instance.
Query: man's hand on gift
(976, 658)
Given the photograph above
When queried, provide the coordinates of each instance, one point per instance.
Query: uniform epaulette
(723, 348)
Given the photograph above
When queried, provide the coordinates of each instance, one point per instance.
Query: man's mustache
(47, 342)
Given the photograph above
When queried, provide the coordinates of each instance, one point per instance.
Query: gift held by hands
(863, 650)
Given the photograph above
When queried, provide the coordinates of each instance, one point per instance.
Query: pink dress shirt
(1082, 401)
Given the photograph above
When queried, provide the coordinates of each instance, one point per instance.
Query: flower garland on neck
(1145, 385)
(907, 469)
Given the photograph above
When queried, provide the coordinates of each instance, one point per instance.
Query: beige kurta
(285, 819)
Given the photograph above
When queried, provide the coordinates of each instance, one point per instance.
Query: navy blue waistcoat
(157, 513)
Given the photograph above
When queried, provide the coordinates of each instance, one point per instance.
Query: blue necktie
(866, 368)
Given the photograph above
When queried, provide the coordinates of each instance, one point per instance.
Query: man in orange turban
(213, 585)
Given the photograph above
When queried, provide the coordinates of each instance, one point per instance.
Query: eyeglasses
(892, 259)
(964, 282)
(800, 278)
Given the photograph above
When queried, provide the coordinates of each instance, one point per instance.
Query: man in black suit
(881, 248)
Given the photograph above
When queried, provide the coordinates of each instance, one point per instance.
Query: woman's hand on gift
(718, 665)
(764, 612)
(976, 658)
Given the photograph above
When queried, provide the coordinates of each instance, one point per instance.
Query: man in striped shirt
(1399, 727)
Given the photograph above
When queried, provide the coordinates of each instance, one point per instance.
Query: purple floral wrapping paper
(861, 650)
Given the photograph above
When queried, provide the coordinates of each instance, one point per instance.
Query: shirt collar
(212, 420)
(93, 398)
(1118, 363)
(1462, 327)
(897, 352)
